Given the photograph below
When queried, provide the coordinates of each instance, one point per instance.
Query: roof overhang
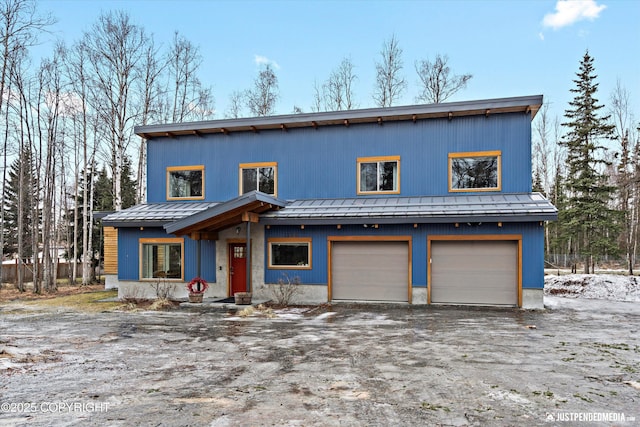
(521, 207)
(524, 104)
(206, 224)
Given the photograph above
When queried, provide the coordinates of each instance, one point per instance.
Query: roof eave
(524, 104)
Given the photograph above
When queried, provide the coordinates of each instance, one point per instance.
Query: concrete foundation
(533, 299)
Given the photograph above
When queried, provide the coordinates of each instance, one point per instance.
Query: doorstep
(214, 305)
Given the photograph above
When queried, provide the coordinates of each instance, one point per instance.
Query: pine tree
(587, 215)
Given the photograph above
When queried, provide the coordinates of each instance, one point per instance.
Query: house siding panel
(532, 247)
(321, 163)
(128, 254)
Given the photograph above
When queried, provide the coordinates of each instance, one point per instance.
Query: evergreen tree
(19, 210)
(587, 216)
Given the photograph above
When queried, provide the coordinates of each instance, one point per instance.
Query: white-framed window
(185, 182)
(378, 175)
(290, 253)
(475, 171)
(162, 258)
(261, 177)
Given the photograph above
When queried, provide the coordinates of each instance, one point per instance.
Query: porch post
(248, 256)
(198, 256)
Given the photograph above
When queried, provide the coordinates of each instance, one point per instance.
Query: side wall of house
(129, 254)
(532, 247)
(321, 163)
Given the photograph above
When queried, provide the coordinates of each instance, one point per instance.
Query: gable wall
(321, 163)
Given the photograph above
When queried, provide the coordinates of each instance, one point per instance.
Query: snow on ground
(613, 287)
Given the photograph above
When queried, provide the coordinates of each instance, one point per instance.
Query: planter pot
(242, 298)
(197, 298)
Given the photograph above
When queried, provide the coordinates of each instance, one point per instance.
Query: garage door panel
(373, 271)
(474, 272)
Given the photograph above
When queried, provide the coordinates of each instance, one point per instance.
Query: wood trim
(110, 250)
(496, 153)
(160, 241)
(307, 240)
(480, 237)
(408, 239)
(274, 165)
(376, 159)
(185, 168)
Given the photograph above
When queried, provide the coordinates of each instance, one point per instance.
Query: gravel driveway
(325, 366)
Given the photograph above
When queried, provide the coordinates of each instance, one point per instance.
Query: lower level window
(290, 253)
(161, 258)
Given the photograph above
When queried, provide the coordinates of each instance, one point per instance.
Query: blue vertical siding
(532, 249)
(129, 254)
(321, 163)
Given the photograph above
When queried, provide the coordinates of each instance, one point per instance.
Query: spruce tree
(587, 216)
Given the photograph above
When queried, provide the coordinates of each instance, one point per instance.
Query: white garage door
(370, 271)
(474, 272)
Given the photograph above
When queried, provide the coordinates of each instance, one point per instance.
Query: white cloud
(541, 35)
(569, 12)
(259, 60)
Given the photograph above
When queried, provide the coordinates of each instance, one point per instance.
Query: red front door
(238, 267)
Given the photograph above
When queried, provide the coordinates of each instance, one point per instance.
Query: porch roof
(246, 207)
(154, 214)
(424, 209)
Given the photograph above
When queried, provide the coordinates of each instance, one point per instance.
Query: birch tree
(437, 81)
(390, 83)
(261, 99)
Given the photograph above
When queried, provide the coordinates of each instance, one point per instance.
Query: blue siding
(321, 163)
(129, 254)
(532, 247)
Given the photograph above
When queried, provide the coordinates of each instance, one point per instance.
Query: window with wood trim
(185, 182)
(378, 175)
(475, 171)
(261, 177)
(162, 258)
(290, 253)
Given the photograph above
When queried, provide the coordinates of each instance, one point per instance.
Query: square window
(379, 175)
(185, 183)
(290, 253)
(475, 171)
(259, 177)
(161, 258)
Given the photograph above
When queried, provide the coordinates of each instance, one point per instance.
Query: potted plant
(197, 288)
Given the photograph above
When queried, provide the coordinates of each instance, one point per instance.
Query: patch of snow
(611, 287)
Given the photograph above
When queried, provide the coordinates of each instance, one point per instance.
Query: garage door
(370, 271)
(474, 272)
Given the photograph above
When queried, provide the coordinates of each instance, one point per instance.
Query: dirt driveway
(338, 366)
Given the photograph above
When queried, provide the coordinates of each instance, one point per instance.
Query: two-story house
(423, 204)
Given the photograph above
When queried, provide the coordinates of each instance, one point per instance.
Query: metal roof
(154, 214)
(424, 209)
(181, 216)
(524, 104)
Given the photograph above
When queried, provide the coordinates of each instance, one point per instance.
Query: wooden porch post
(248, 256)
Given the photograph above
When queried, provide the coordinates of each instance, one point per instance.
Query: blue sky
(512, 48)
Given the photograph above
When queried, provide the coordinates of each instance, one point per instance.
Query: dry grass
(81, 298)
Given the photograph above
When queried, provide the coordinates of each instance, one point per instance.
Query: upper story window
(379, 175)
(161, 258)
(259, 176)
(475, 171)
(185, 182)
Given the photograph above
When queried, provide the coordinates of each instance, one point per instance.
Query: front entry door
(238, 267)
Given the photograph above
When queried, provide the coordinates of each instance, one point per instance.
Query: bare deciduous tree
(261, 99)
(337, 92)
(389, 80)
(437, 83)
(116, 47)
(236, 100)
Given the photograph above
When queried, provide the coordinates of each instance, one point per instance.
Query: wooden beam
(486, 113)
(450, 115)
(203, 235)
(346, 122)
(197, 133)
(251, 217)
(283, 127)
(314, 124)
(169, 135)
(254, 129)
(414, 118)
(380, 121)
(225, 131)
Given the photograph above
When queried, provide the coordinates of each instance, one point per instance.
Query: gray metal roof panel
(154, 214)
(497, 207)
